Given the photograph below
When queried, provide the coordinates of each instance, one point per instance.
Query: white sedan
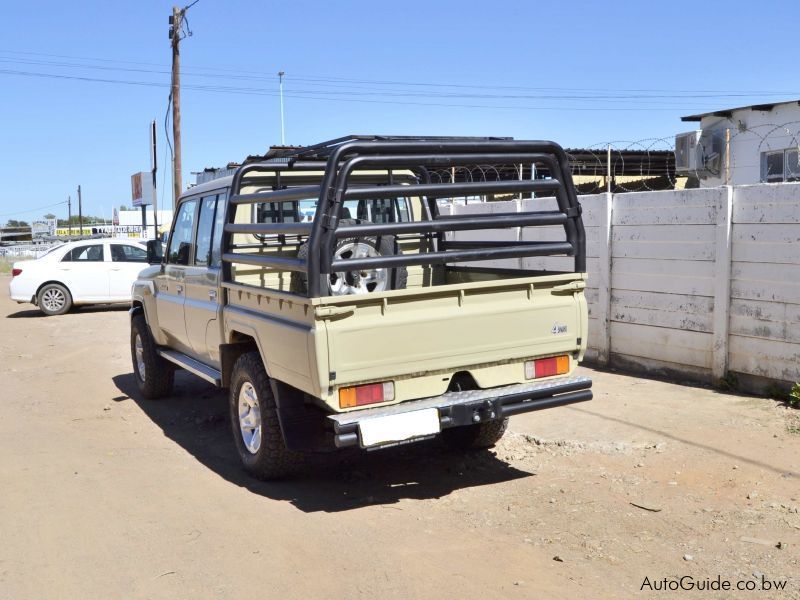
(85, 272)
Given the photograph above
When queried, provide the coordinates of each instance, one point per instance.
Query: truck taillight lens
(15, 272)
(547, 367)
(361, 395)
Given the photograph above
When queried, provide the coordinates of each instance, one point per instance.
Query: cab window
(216, 239)
(205, 229)
(180, 242)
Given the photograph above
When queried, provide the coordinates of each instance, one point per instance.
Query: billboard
(142, 189)
(43, 227)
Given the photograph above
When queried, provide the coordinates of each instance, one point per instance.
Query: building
(745, 145)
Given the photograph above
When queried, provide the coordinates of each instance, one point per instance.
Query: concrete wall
(689, 283)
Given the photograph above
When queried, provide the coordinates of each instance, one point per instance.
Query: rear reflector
(361, 395)
(15, 272)
(547, 367)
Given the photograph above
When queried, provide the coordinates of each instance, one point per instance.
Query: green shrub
(794, 395)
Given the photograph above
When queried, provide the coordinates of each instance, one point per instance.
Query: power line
(330, 79)
(324, 96)
(23, 212)
(640, 98)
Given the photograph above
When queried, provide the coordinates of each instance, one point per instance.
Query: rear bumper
(466, 408)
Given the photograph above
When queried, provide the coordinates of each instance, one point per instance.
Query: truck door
(201, 307)
(171, 283)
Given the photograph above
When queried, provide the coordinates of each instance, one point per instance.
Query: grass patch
(5, 265)
(794, 396)
(6, 262)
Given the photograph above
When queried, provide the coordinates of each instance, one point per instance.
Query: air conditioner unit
(698, 153)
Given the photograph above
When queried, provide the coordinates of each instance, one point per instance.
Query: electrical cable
(22, 212)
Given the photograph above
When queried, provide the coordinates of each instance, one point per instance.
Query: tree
(123, 207)
(49, 216)
(15, 223)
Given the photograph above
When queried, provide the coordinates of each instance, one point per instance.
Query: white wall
(688, 282)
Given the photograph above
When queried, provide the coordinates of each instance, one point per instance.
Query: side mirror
(155, 252)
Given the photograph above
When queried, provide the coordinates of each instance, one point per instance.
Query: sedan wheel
(54, 299)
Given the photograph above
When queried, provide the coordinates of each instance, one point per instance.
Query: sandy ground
(105, 495)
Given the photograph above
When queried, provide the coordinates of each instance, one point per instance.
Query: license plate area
(389, 429)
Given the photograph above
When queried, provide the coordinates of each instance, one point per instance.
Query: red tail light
(547, 367)
(366, 394)
(16, 272)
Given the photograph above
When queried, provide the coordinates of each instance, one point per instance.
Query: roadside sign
(142, 189)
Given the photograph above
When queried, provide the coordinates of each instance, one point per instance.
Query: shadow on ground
(196, 417)
(77, 310)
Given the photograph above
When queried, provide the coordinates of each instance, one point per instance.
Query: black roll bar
(417, 155)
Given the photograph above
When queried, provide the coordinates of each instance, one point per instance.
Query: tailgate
(455, 327)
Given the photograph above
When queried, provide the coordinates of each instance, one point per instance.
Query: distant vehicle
(85, 272)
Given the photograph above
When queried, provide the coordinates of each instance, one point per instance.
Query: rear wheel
(254, 421)
(478, 436)
(155, 376)
(54, 299)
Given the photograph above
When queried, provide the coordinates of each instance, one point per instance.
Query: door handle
(179, 288)
(212, 294)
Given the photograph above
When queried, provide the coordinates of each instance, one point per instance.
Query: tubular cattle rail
(348, 158)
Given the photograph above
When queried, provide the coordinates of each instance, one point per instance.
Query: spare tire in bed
(362, 281)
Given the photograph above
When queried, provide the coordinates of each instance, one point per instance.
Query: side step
(193, 366)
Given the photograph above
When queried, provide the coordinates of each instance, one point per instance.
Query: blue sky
(581, 73)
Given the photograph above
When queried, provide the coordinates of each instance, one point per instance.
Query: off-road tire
(57, 290)
(272, 460)
(159, 374)
(475, 437)
(398, 277)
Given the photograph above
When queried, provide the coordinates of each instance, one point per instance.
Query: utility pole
(154, 165)
(280, 85)
(175, 36)
(69, 214)
(80, 213)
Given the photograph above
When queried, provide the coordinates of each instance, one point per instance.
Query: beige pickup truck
(329, 291)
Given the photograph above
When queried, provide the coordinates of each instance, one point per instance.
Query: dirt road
(105, 495)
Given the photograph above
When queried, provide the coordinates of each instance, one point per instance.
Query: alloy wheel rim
(362, 281)
(53, 299)
(250, 417)
(139, 351)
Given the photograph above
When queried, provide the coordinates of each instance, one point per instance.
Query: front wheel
(254, 421)
(474, 437)
(155, 376)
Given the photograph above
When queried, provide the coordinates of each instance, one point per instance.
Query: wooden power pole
(175, 31)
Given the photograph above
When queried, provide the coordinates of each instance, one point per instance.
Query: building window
(780, 165)
(792, 165)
